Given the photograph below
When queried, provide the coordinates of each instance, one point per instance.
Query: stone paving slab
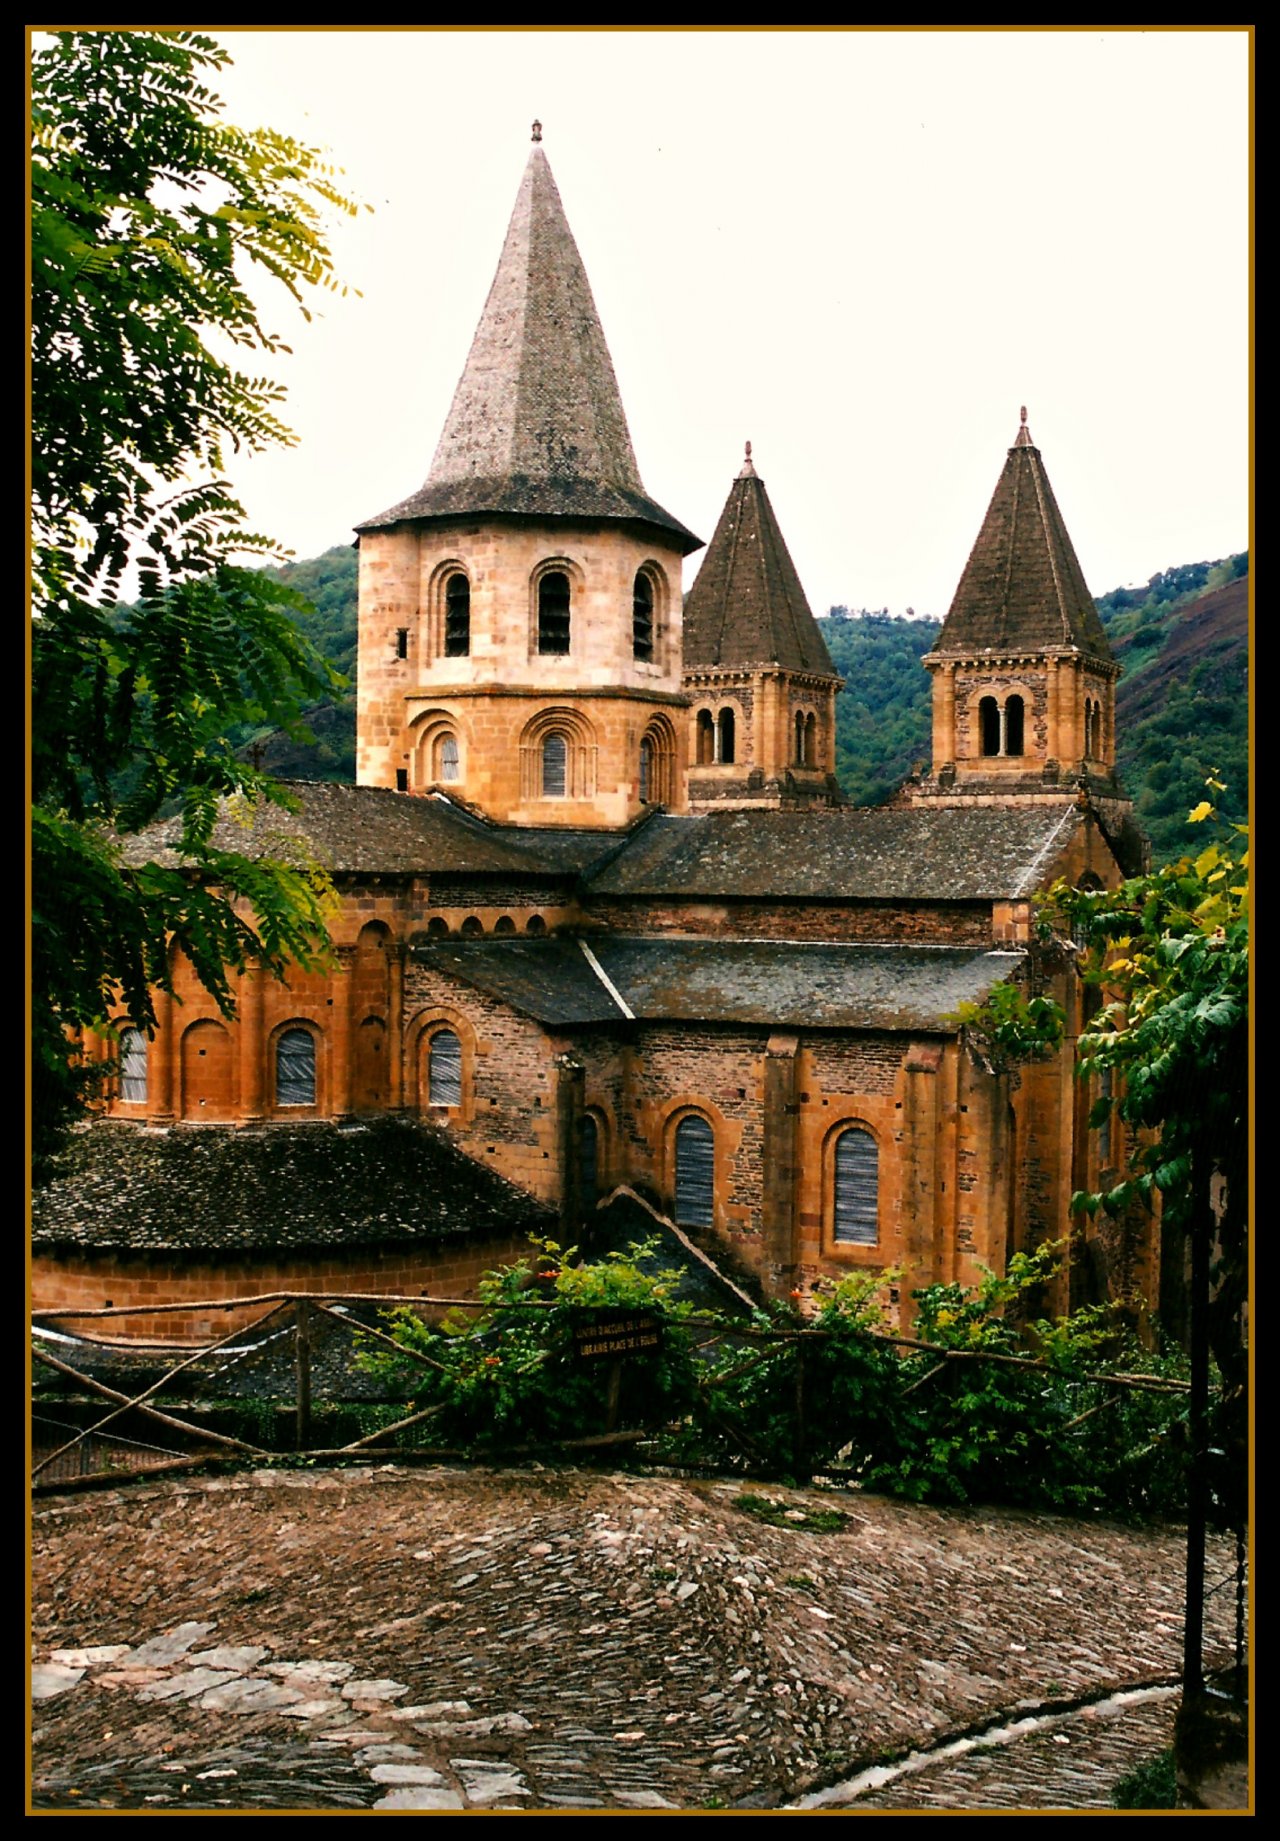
(562, 1639)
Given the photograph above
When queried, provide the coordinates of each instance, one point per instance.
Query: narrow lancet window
(444, 1070)
(695, 1173)
(553, 613)
(642, 617)
(857, 1188)
(555, 761)
(457, 617)
(296, 1068)
(133, 1067)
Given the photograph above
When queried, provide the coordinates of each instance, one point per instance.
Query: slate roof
(368, 830)
(1022, 589)
(746, 605)
(982, 853)
(757, 982)
(218, 1190)
(537, 427)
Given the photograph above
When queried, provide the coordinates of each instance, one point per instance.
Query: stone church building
(605, 918)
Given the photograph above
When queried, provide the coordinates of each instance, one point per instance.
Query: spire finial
(537, 131)
(747, 471)
(1023, 436)
(1024, 412)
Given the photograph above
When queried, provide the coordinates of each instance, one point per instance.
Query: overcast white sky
(861, 250)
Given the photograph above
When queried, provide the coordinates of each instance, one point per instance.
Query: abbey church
(605, 918)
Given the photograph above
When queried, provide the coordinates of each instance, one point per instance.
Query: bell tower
(1023, 676)
(520, 614)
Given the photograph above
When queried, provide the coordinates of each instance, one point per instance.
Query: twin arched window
(1001, 727)
(806, 739)
(856, 1189)
(296, 1068)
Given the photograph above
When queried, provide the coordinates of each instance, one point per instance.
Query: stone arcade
(605, 918)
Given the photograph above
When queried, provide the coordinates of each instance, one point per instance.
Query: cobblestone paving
(400, 1638)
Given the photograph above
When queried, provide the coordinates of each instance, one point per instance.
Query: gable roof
(746, 605)
(1022, 589)
(913, 853)
(537, 426)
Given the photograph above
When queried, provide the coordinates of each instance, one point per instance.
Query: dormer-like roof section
(746, 606)
(1022, 589)
(537, 427)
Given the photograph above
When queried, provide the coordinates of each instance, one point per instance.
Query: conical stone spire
(537, 426)
(1023, 589)
(746, 606)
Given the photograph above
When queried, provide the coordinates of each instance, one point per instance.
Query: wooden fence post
(302, 1363)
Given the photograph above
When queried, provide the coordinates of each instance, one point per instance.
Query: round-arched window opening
(989, 725)
(444, 1069)
(695, 1172)
(646, 770)
(471, 926)
(448, 766)
(706, 749)
(642, 617)
(799, 756)
(555, 766)
(811, 740)
(504, 924)
(296, 1068)
(437, 927)
(133, 1067)
(553, 613)
(457, 618)
(725, 736)
(535, 924)
(1014, 725)
(856, 1188)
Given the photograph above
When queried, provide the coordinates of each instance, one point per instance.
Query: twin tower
(524, 646)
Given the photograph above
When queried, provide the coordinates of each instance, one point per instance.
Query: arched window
(555, 762)
(811, 740)
(448, 765)
(504, 924)
(553, 612)
(437, 927)
(457, 617)
(695, 1173)
(535, 925)
(989, 725)
(646, 769)
(799, 738)
(642, 617)
(1014, 724)
(724, 730)
(590, 1170)
(444, 1070)
(133, 1067)
(471, 926)
(296, 1068)
(856, 1188)
(706, 738)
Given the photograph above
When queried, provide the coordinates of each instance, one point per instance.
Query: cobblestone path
(444, 1639)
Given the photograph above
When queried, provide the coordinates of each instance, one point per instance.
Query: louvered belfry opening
(695, 1173)
(296, 1068)
(457, 617)
(642, 617)
(553, 613)
(444, 1069)
(857, 1188)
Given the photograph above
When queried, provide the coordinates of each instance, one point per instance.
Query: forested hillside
(1181, 707)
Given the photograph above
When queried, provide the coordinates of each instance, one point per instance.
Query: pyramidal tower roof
(746, 606)
(537, 426)
(1022, 589)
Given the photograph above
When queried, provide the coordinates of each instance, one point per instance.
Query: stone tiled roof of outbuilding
(982, 853)
(368, 830)
(746, 605)
(752, 982)
(213, 1189)
(1022, 589)
(537, 428)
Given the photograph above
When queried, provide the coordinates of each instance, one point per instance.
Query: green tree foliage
(150, 219)
(883, 722)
